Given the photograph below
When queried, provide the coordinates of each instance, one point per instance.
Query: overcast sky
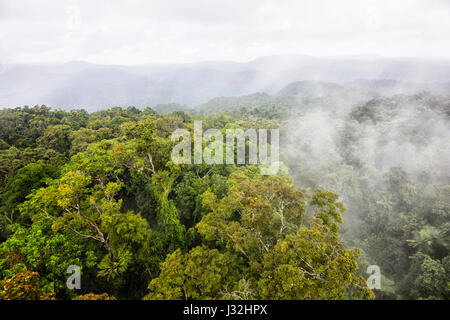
(175, 31)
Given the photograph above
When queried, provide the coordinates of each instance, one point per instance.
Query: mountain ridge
(98, 86)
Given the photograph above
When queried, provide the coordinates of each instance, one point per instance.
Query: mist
(95, 87)
(388, 158)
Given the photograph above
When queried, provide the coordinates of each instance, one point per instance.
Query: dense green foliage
(100, 191)
(388, 159)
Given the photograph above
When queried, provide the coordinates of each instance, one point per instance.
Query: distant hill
(312, 94)
(94, 87)
(364, 88)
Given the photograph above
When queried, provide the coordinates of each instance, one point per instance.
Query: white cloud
(136, 32)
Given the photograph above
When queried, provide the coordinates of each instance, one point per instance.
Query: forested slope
(99, 190)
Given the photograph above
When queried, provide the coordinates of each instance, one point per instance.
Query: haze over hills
(93, 86)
